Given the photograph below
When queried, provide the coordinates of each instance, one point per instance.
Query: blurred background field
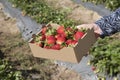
(16, 59)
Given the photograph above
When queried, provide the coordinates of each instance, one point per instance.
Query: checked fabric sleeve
(109, 24)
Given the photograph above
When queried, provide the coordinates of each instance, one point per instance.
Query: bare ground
(75, 11)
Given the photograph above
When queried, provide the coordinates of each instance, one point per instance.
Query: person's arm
(109, 24)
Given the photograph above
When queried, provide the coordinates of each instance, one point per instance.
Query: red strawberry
(78, 35)
(40, 44)
(93, 68)
(69, 41)
(51, 39)
(56, 47)
(60, 40)
(57, 35)
(60, 35)
(47, 47)
(60, 30)
(74, 42)
(44, 29)
(43, 37)
(64, 34)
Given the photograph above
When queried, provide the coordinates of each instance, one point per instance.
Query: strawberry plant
(56, 39)
(7, 72)
(111, 4)
(41, 12)
(106, 56)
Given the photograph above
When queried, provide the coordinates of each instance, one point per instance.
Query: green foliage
(7, 72)
(111, 4)
(42, 13)
(106, 56)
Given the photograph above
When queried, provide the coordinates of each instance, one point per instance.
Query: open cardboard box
(68, 54)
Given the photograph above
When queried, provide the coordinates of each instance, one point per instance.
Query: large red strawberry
(60, 30)
(64, 34)
(56, 47)
(78, 35)
(50, 39)
(60, 40)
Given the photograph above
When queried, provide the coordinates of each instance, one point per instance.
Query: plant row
(41, 12)
(106, 57)
(7, 72)
(110, 4)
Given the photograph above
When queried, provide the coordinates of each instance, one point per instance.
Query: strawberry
(42, 37)
(40, 44)
(69, 41)
(78, 35)
(60, 30)
(44, 29)
(47, 47)
(57, 35)
(60, 40)
(61, 35)
(93, 68)
(50, 39)
(74, 42)
(56, 47)
(64, 34)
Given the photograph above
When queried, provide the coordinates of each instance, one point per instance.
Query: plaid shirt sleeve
(110, 24)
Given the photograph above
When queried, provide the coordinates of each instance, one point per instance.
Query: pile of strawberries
(56, 39)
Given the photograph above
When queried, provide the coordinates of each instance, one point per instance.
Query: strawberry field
(41, 12)
(106, 57)
(105, 52)
(110, 4)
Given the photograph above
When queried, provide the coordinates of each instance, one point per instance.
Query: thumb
(85, 26)
(81, 26)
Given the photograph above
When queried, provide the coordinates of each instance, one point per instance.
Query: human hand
(95, 27)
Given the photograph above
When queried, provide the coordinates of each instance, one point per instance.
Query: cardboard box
(68, 54)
